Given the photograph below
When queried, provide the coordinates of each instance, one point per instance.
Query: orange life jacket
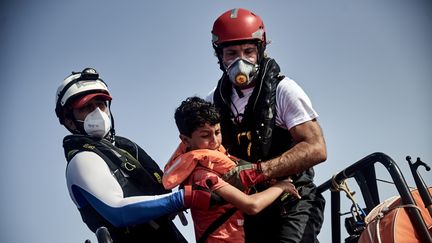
(182, 163)
(389, 222)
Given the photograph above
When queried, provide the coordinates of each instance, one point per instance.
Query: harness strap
(129, 164)
(215, 199)
(113, 166)
(216, 224)
(119, 161)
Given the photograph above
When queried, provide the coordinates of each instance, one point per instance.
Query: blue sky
(366, 65)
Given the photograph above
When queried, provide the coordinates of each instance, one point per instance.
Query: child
(201, 160)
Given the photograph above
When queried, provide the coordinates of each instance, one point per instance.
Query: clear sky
(366, 65)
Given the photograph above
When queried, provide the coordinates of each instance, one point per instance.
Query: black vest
(144, 179)
(256, 137)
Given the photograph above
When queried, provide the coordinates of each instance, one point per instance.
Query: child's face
(204, 137)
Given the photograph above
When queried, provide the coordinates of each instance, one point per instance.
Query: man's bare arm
(309, 150)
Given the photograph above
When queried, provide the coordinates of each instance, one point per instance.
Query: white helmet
(86, 84)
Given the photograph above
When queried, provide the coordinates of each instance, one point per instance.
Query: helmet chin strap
(79, 126)
(111, 133)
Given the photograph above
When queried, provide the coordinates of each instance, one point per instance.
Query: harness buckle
(248, 136)
(129, 166)
(89, 146)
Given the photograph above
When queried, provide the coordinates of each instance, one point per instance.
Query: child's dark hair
(193, 113)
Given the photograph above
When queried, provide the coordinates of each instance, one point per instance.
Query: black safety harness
(256, 137)
(251, 138)
(136, 172)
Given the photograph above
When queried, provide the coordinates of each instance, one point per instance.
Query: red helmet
(238, 24)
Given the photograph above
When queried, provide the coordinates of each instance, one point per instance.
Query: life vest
(389, 222)
(178, 171)
(256, 137)
(183, 163)
(145, 178)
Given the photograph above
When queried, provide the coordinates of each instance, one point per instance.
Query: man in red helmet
(268, 119)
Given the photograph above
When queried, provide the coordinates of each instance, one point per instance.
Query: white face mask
(97, 123)
(242, 72)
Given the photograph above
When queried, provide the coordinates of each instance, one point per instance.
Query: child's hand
(288, 187)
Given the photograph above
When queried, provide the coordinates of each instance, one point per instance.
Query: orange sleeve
(208, 179)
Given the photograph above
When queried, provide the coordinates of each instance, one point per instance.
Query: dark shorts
(291, 221)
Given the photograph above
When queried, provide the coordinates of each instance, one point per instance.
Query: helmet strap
(218, 52)
(79, 127)
(111, 134)
(68, 114)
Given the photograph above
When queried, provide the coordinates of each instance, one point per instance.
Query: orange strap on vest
(182, 163)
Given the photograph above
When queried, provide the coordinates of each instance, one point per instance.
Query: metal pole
(335, 216)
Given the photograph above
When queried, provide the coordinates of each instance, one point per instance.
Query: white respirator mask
(97, 123)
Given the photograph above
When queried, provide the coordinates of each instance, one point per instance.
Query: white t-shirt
(293, 106)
